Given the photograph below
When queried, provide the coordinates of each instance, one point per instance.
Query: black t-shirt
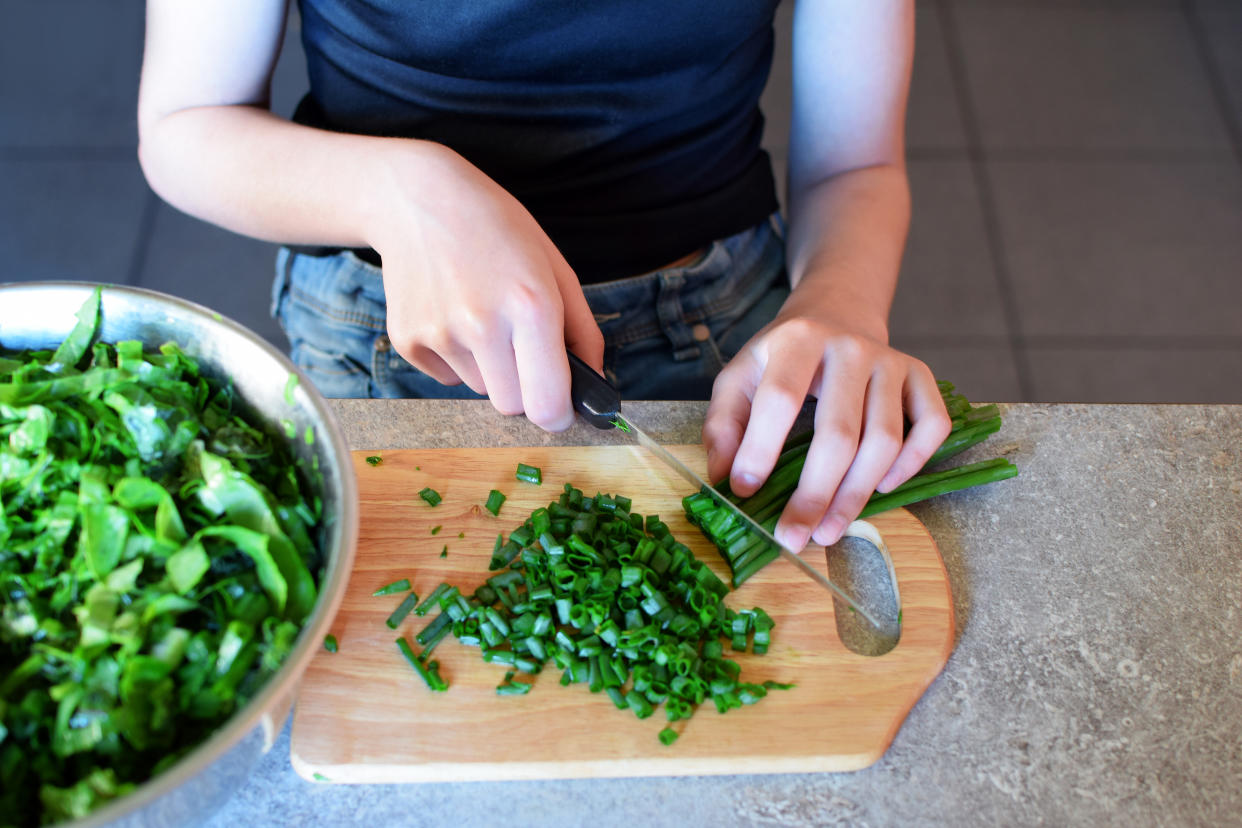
(629, 128)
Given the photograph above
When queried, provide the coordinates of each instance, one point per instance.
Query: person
(471, 189)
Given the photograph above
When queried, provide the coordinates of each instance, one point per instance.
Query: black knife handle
(595, 398)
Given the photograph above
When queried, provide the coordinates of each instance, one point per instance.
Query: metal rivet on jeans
(701, 332)
(383, 343)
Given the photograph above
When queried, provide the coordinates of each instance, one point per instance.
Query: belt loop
(284, 278)
(672, 318)
(777, 222)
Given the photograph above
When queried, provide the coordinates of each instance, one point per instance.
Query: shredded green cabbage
(156, 565)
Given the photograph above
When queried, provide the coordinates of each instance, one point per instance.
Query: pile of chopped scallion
(611, 599)
(156, 565)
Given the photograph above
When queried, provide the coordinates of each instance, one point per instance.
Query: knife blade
(599, 403)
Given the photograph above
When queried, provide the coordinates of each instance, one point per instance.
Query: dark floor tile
(984, 373)
(933, 117)
(1163, 375)
(1123, 248)
(1223, 26)
(78, 220)
(1087, 78)
(1073, 4)
(228, 273)
(948, 284)
(289, 80)
(776, 103)
(69, 73)
(780, 170)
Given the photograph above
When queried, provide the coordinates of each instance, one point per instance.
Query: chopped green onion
(639, 704)
(529, 474)
(439, 625)
(431, 496)
(435, 530)
(329, 643)
(614, 601)
(444, 551)
(432, 600)
(393, 588)
(494, 501)
(509, 687)
(429, 673)
(403, 609)
(375, 459)
(668, 736)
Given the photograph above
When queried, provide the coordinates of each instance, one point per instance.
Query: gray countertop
(1096, 679)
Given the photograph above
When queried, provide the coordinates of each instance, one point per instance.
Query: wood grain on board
(364, 716)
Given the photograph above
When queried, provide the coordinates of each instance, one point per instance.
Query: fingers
(582, 333)
(879, 445)
(838, 422)
(930, 425)
(498, 367)
(787, 377)
(864, 396)
(829, 496)
(434, 366)
(727, 415)
(521, 358)
(542, 371)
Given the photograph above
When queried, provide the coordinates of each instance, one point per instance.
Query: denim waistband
(334, 311)
(728, 277)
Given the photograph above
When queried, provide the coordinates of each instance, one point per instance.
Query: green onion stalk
(746, 552)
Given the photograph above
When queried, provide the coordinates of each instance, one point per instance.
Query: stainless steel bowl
(39, 315)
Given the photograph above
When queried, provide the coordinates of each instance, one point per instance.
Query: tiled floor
(1076, 168)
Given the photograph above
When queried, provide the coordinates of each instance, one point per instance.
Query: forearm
(254, 173)
(846, 237)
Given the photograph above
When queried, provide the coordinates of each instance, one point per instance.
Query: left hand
(849, 209)
(865, 391)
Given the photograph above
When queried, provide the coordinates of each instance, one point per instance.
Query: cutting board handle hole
(858, 567)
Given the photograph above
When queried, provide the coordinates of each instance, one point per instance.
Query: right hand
(477, 293)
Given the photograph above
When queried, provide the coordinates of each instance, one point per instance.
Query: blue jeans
(666, 333)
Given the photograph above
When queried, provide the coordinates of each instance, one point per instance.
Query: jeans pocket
(734, 331)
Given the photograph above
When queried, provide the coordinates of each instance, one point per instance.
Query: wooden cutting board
(364, 716)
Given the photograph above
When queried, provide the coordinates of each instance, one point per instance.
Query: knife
(599, 403)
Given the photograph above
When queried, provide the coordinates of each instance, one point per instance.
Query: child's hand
(863, 387)
(477, 293)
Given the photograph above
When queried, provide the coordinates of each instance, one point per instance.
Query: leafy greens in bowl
(176, 529)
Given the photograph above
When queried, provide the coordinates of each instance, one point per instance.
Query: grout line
(987, 200)
(951, 340)
(937, 153)
(1098, 342)
(1216, 78)
(1061, 4)
(1116, 154)
(142, 246)
(80, 153)
(1138, 342)
(1069, 155)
